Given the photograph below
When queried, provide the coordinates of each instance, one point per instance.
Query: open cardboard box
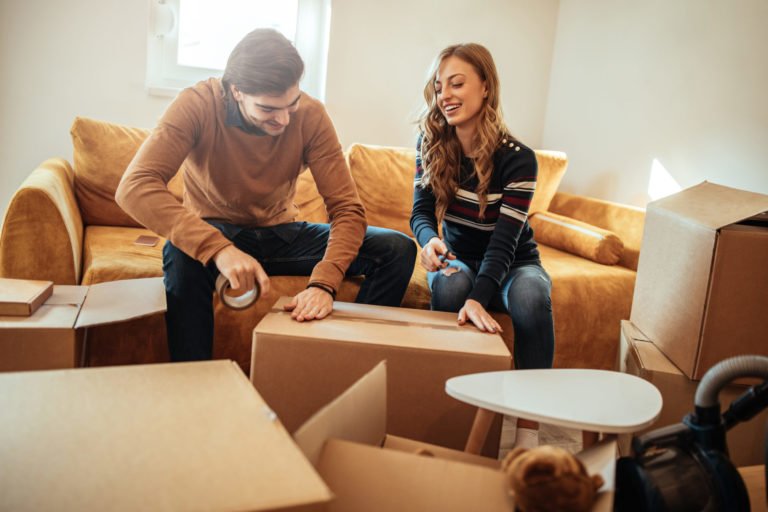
(22, 297)
(701, 290)
(300, 367)
(367, 469)
(54, 336)
(181, 436)
(641, 357)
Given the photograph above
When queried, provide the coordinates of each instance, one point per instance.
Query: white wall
(380, 53)
(59, 60)
(683, 82)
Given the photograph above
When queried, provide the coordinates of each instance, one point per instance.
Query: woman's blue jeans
(386, 259)
(524, 294)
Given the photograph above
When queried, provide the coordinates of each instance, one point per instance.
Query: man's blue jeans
(524, 294)
(386, 259)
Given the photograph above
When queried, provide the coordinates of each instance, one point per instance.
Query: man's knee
(391, 244)
(182, 271)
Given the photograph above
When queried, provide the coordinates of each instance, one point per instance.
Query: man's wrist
(325, 288)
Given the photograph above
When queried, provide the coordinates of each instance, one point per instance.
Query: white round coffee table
(595, 401)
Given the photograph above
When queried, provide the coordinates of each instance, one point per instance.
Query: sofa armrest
(42, 233)
(624, 220)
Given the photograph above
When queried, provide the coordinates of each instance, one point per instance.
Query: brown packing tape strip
(243, 301)
(344, 317)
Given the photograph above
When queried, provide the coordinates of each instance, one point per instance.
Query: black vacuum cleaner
(685, 467)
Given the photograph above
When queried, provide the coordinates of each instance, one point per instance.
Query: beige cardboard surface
(645, 360)
(754, 479)
(368, 478)
(700, 280)
(300, 367)
(23, 296)
(359, 414)
(53, 336)
(184, 436)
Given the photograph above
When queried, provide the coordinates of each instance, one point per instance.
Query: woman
(478, 180)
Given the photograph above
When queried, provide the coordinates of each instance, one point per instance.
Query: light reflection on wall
(661, 183)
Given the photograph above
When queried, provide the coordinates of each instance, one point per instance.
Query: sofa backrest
(102, 152)
(383, 175)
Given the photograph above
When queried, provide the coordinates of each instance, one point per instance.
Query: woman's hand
(476, 313)
(430, 257)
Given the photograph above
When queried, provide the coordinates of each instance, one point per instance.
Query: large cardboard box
(55, 335)
(299, 367)
(370, 470)
(643, 358)
(701, 289)
(23, 296)
(182, 436)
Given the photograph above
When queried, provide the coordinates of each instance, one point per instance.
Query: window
(190, 40)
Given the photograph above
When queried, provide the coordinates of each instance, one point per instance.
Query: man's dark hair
(263, 62)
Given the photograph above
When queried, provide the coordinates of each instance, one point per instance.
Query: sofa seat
(109, 254)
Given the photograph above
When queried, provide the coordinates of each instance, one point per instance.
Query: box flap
(67, 294)
(359, 414)
(421, 448)
(376, 480)
(116, 301)
(600, 459)
(438, 331)
(713, 206)
(165, 436)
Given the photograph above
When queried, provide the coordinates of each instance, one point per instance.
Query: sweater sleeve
(423, 218)
(346, 214)
(519, 171)
(143, 190)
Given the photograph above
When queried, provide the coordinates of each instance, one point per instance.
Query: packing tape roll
(236, 302)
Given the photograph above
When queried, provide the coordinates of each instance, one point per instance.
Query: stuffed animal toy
(548, 478)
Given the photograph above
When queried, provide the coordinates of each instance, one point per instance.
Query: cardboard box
(299, 367)
(369, 470)
(22, 297)
(701, 290)
(55, 335)
(182, 436)
(644, 359)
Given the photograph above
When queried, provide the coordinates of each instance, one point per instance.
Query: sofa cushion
(577, 237)
(552, 166)
(102, 152)
(384, 179)
(109, 254)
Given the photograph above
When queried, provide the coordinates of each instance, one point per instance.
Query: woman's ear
(235, 92)
(485, 91)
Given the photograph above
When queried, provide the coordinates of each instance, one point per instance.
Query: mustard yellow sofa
(64, 225)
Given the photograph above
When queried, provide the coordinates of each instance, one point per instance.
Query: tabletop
(594, 400)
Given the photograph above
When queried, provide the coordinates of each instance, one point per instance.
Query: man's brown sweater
(239, 177)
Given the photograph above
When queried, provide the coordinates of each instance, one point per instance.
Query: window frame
(165, 77)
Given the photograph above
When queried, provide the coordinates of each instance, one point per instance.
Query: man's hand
(477, 314)
(241, 269)
(430, 257)
(310, 304)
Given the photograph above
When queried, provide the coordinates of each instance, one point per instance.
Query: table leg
(589, 438)
(480, 428)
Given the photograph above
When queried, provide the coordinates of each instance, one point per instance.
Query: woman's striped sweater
(503, 237)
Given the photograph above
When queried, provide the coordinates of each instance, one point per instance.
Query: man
(242, 141)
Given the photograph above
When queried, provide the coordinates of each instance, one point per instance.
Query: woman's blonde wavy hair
(440, 148)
